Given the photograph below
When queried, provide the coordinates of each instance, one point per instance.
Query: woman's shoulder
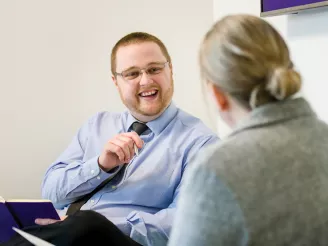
(238, 157)
(224, 152)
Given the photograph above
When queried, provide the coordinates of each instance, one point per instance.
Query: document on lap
(22, 213)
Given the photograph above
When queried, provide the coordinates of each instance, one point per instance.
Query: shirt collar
(157, 125)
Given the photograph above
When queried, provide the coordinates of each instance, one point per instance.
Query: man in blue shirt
(145, 171)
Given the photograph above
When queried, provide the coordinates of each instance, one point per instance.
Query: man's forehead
(138, 55)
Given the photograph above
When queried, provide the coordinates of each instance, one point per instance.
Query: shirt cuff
(137, 223)
(93, 173)
(114, 170)
(122, 224)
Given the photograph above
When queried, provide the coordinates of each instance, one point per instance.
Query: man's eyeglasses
(134, 74)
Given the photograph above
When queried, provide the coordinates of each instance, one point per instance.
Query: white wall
(307, 36)
(54, 66)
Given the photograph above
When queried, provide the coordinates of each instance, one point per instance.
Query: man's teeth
(149, 93)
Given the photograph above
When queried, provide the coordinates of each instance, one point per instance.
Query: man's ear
(220, 97)
(114, 80)
(171, 67)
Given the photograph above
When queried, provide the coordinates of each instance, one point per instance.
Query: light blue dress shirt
(141, 198)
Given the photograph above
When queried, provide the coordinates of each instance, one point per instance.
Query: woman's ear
(219, 97)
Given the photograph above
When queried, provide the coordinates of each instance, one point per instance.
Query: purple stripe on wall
(269, 5)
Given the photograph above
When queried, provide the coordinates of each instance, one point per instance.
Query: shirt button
(98, 177)
(92, 171)
(92, 201)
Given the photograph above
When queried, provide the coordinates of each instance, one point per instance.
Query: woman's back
(283, 152)
(267, 183)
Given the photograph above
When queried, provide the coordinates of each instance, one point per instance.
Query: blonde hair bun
(284, 83)
(247, 58)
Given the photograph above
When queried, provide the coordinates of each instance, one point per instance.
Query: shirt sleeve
(71, 177)
(208, 213)
(154, 229)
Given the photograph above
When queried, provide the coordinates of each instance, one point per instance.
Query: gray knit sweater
(266, 185)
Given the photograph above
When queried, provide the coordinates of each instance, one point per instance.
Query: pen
(136, 150)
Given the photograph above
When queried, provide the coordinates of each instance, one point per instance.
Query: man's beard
(162, 102)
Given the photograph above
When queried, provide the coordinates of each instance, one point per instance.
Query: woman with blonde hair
(266, 183)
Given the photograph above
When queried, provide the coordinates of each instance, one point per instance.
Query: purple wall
(269, 5)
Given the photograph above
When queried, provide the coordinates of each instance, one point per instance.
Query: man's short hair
(137, 38)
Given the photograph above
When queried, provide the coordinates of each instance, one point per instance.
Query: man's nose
(145, 79)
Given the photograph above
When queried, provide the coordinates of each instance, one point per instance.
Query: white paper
(32, 239)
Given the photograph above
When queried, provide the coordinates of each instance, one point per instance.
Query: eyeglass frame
(142, 70)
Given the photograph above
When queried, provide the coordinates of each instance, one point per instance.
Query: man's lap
(82, 228)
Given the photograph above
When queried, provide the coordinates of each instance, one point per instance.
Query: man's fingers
(45, 221)
(63, 217)
(48, 221)
(116, 150)
(130, 144)
(124, 147)
(135, 137)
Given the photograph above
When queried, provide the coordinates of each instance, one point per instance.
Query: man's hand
(48, 221)
(119, 150)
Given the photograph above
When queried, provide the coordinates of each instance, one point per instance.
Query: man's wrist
(107, 170)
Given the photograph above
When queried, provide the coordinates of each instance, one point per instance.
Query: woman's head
(247, 64)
